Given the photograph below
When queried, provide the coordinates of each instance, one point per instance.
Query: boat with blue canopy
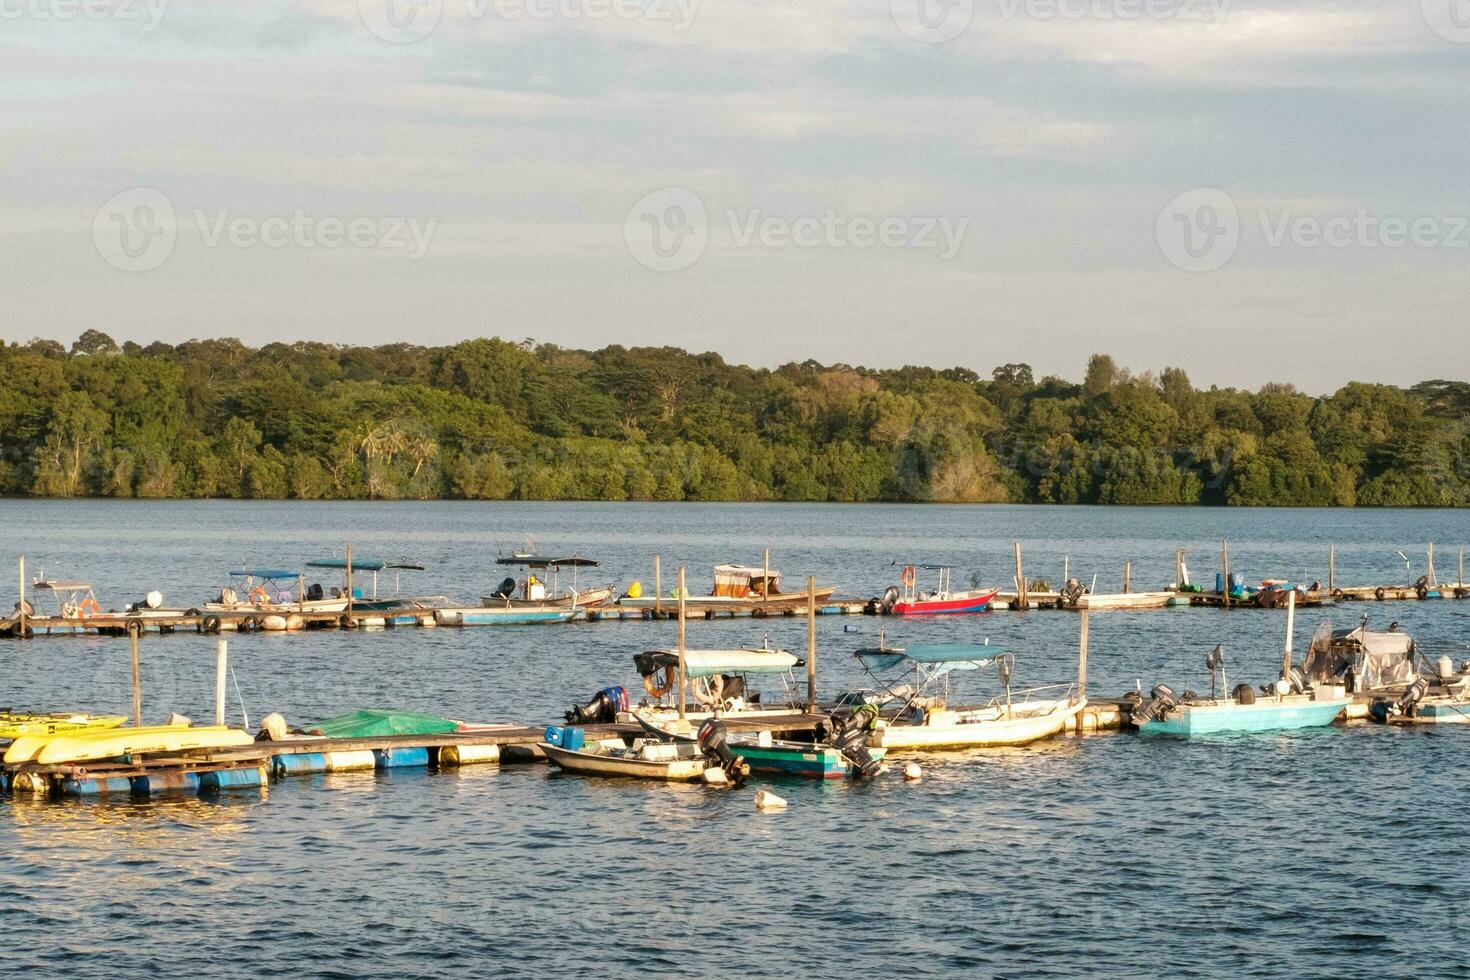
(914, 699)
(533, 591)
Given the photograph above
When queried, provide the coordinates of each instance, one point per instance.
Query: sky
(1254, 192)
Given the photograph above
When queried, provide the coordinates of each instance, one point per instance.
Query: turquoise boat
(507, 616)
(1220, 716)
(798, 758)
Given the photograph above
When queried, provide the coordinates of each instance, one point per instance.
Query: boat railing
(1024, 696)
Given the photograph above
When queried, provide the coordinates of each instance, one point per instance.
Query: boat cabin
(1359, 659)
(719, 680)
(744, 582)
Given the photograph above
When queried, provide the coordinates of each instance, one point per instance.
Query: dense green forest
(491, 419)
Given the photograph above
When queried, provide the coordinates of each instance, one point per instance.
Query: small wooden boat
(15, 725)
(944, 600)
(644, 759)
(923, 718)
(739, 587)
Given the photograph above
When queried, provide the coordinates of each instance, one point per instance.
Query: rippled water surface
(1326, 853)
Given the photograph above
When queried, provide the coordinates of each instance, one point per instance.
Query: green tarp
(374, 722)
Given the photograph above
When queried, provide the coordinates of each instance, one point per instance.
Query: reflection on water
(1329, 852)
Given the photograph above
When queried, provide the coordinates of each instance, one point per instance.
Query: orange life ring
(259, 595)
(659, 690)
(88, 607)
(908, 576)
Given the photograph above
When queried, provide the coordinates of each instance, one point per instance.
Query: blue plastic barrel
(166, 782)
(1220, 582)
(303, 764)
(247, 778)
(402, 758)
(573, 738)
(120, 785)
(554, 735)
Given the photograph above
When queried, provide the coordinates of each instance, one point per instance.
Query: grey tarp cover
(1376, 659)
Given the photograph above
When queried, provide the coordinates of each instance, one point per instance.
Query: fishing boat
(919, 715)
(722, 681)
(264, 589)
(656, 757)
(368, 600)
(837, 750)
(532, 591)
(736, 587)
(943, 600)
(1293, 702)
(74, 608)
(1423, 703)
(1074, 595)
(505, 615)
(15, 725)
(1360, 659)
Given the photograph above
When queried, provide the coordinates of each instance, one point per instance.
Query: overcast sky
(1256, 192)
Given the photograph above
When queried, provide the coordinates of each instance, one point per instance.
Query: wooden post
(21, 609)
(137, 680)
(1290, 628)
(1331, 568)
(658, 587)
(1022, 600)
(811, 644)
(221, 665)
(682, 672)
(1433, 580)
(1178, 569)
(1225, 571)
(349, 583)
(1127, 577)
(1461, 582)
(1082, 658)
(301, 592)
(766, 576)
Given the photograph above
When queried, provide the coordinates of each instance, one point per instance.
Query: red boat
(942, 601)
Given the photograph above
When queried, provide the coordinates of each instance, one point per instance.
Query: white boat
(918, 715)
(719, 681)
(736, 587)
(532, 591)
(679, 761)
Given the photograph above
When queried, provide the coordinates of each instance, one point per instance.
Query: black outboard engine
(506, 590)
(1412, 697)
(711, 741)
(890, 599)
(850, 737)
(314, 592)
(1072, 592)
(1160, 700)
(601, 710)
(1297, 679)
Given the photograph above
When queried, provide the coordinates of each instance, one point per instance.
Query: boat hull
(88, 747)
(1125, 600)
(967, 603)
(988, 729)
(796, 759)
(1227, 717)
(504, 616)
(599, 764)
(1445, 712)
(586, 599)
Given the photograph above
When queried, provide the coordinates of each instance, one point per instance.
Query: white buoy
(154, 599)
(766, 800)
(716, 777)
(912, 773)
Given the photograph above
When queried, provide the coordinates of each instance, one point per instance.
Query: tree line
(491, 419)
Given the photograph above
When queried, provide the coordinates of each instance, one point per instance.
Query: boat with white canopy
(914, 698)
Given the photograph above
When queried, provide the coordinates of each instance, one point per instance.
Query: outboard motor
(1161, 700)
(850, 737)
(314, 592)
(890, 599)
(1243, 694)
(601, 710)
(1072, 592)
(506, 590)
(711, 741)
(1297, 680)
(1412, 697)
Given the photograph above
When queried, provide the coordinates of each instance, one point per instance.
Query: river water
(1313, 853)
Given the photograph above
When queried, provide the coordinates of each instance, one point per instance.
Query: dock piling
(1023, 601)
(658, 587)
(682, 674)
(1290, 628)
(348, 557)
(1331, 568)
(1082, 658)
(221, 667)
(1225, 572)
(137, 680)
(20, 610)
(1127, 577)
(811, 644)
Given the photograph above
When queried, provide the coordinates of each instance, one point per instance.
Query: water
(1313, 853)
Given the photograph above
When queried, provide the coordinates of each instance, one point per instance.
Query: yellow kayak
(27, 747)
(90, 746)
(14, 725)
